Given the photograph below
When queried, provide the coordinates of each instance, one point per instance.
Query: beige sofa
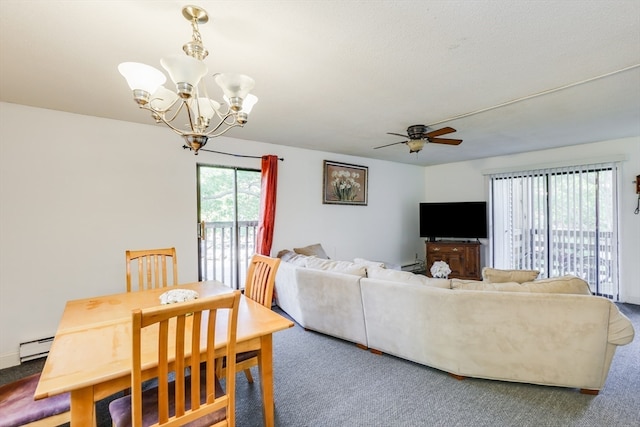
(324, 301)
(548, 332)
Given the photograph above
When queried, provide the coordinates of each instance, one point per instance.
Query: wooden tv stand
(463, 258)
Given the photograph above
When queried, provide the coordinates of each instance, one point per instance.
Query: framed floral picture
(344, 184)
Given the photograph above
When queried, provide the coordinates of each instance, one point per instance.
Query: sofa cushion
(494, 275)
(312, 250)
(477, 285)
(406, 277)
(299, 260)
(345, 267)
(559, 285)
(367, 263)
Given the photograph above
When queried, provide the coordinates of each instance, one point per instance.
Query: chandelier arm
(163, 113)
(165, 121)
(224, 114)
(223, 122)
(190, 117)
(175, 114)
(170, 106)
(210, 135)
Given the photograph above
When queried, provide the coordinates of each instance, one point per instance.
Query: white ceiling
(337, 75)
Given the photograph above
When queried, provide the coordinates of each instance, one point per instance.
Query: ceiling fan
(418, 135)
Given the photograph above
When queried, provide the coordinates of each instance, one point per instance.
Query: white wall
(468, 183)
(77, 191)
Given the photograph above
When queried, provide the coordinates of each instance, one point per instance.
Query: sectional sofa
(506, 327)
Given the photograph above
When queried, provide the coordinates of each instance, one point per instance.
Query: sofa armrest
(287, 295)
(331, 303)
(621, 330)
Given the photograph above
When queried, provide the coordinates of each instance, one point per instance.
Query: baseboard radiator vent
(35, 349)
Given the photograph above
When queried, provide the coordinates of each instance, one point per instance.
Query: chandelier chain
(195, 31)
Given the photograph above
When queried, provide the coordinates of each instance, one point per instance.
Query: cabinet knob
(455, 249)
(436, 249)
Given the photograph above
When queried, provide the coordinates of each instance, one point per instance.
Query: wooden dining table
(90, 356)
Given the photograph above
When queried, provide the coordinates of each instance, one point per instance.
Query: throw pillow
(559, 285)
(345, 267)
(494, 275)
(286, 254)
(406, 277)
(312, 250)
(477, 285)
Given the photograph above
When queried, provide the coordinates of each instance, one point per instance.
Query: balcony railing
(225, 256)
(586, 254)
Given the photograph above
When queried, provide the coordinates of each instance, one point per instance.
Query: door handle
(202, 232)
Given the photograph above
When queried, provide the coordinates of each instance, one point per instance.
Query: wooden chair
(261, 278)
(18, 408)
(152, 268)
(195, 395)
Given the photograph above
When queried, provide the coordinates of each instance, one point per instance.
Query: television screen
(453, 220)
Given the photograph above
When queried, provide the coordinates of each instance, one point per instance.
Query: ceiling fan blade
(445, 141)
(388, 145)
(439, 132)
(397, 134)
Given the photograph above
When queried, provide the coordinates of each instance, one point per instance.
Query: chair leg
(247, 373)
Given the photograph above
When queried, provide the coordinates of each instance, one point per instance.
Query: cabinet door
(456, 263)
(452, 256)
(472, 263)
(463, 259)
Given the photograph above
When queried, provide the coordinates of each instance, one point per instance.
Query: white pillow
(406, 277)
(345, 267)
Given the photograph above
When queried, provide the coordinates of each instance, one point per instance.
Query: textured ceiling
(510, 76)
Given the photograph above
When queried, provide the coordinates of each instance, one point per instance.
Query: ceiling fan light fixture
(415, 145)
(418, 135)
(204, 117)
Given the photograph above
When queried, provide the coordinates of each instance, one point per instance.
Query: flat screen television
(453, 220)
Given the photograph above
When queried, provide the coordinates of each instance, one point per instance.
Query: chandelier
(200, 116)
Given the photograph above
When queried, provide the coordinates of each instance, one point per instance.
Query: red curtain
(269, 184)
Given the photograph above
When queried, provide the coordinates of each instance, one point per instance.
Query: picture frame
(345, 184)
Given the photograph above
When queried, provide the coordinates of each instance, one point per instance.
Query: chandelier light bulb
(204, 107)
(236, 87)
(142, 77)
(248, 103)
(185, 72)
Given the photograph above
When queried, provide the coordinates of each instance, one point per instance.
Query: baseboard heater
(35, 349)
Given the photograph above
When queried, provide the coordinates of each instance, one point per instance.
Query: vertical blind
(559, 221)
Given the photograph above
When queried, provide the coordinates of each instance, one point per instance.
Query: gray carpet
(323, 381)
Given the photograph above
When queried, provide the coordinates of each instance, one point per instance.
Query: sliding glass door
(228, 206)
(559, 221)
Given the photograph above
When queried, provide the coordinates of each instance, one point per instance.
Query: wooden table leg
(265, 358)
(82, 408)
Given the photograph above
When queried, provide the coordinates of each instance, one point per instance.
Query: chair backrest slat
(261, 277)
(181, 330)
(152, 268)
